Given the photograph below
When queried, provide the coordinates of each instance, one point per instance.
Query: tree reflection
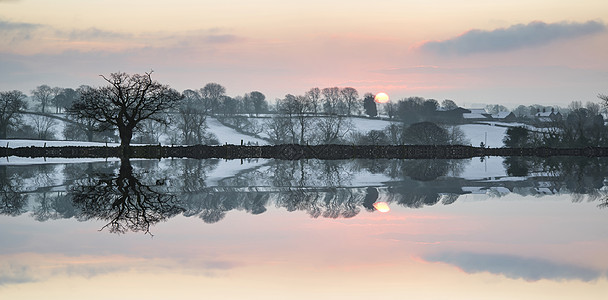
(12, 201)
(124, 200)
(133, 196)
(574, 175)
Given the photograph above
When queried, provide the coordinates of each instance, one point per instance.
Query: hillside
(491, 134)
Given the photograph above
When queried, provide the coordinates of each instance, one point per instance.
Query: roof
(501, 115)
(476, 113)
(478, 110)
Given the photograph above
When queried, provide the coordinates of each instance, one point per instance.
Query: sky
(476, 51)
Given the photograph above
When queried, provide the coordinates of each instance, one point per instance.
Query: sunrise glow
(381, 98)
(382, 207)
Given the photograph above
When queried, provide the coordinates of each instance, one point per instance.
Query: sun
(381, 98)
(382, 207)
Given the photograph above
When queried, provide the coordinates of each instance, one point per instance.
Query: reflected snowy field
(490, 228)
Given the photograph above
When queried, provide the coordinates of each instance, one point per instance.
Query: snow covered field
(366, 125)
(491, 134)
(228, 135)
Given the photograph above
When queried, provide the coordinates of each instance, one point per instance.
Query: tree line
(582, 126)
(136, 107)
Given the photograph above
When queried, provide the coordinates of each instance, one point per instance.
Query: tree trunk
(126, 134)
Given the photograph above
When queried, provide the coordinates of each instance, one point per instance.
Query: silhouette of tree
(516, 166)
(371, 196)
(44, 94)
(212, 94)
(12, 201)
(296, 108)
(64, 99)
(314, 96)
(516, 137)
(604, 101)
(10, 104)
(332, 129)
(191, 118)
(370, 105)
(425, 133)
(373, 137)
(333, 103)
(349, 97)
(260, 105)
(125, 102)
(448, 104)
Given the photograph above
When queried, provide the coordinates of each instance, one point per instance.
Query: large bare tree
(125, 102)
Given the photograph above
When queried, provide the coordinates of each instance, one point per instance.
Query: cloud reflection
(516, 267)
(11, 273)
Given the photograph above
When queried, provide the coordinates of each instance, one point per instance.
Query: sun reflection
(381, 98)
(382, 207)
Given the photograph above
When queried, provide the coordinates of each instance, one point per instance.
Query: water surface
(456, 229)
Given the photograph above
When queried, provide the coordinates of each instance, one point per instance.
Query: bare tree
(278, 129)
(88, 129)
(593, 108)
(192, 118)
(43, 126)
(125, 102)
(332, 100)
(10, 105)
(349, 97)
(297, 108)
(212, 94)
(44, 94)
(456, 136)
(314, 96)
(332, 129)
(391, 109)
(149, 131)
(604, 99)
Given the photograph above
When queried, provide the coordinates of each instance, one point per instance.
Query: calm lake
(494, 228)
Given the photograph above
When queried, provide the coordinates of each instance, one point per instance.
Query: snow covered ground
(365, 125)
(41, 143)
(228, 135)
(491, 133)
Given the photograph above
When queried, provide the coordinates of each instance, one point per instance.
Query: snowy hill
(491, 134)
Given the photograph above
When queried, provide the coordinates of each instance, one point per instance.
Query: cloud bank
(515, 267)
(512, 38)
